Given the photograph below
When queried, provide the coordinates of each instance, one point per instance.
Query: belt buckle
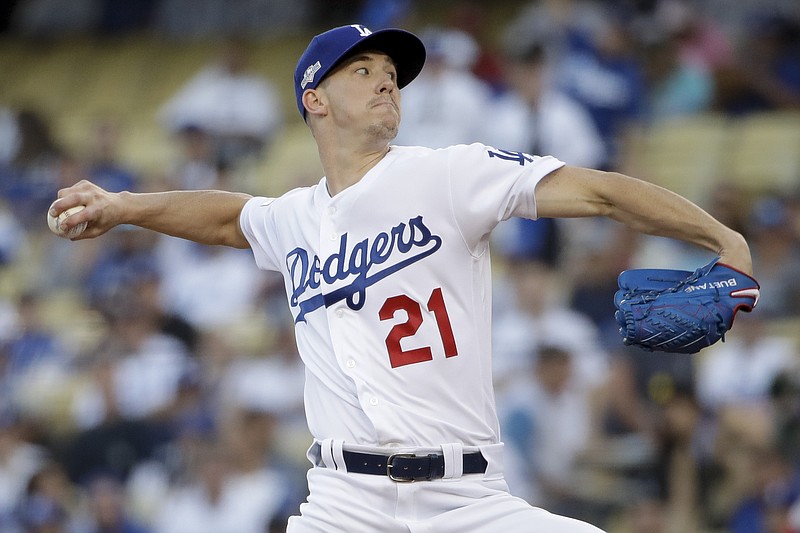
(390, 465)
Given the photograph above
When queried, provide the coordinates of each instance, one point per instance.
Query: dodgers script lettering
(411, 242)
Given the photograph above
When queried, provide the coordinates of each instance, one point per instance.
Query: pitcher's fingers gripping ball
(55, 223)
(680, 311)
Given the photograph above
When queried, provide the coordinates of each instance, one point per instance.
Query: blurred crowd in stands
(151, 385)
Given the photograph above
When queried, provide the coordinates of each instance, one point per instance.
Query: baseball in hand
(55, 223)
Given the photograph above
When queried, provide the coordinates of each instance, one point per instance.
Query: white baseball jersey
(389, 284)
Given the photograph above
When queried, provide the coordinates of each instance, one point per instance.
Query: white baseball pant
(474, 503)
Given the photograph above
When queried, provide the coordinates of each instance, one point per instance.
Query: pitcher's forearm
(642, 206)
(657, 211)
(207, 217)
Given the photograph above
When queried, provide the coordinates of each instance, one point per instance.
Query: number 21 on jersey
(435, 304)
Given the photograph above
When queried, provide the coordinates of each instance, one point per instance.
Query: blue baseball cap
(328, 49)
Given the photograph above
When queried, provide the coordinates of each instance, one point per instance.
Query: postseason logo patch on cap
(308, 77)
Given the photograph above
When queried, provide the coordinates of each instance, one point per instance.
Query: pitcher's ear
(314, 102)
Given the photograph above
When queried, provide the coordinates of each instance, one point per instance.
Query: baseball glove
(679, 311)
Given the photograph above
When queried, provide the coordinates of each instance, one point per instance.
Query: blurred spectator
(601, 72)
(9, 320)
(197, 166)
(700, 41)
(793, 517)
(105, 168)
(51, 498)
(675, 87)
(19, 461)
(220, 496)
(473, 17)
(536, 118)
(678, 472)
(237, 107)
(767, 77)
(33, 352)
(648, 429)
(740, 372)
(70, 169)
(261, 469)
(148, 289)
(446, 104)
(786, 411)
(267, 391)
(535, 315)
(271, 383)
(548, 425)
(737, 18)
(215, 353)
(107, 506)
(640, 389)
(553, 23)
(127, 258)
(735, 387)
(139, 369)
(776, 256)
(785, 396)
(192, 424)
(40, 514)
(12, 235)
(596, 252)
(647, 515)
(769, 486)
(209, 286)
(31, 181)
(129, 389)
(195, 408)
(9, 135)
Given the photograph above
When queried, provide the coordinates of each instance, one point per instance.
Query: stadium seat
(683, 154)
(763, 152)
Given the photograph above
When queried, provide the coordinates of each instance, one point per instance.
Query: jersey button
(331, 210)
(351, 363)
(340, 313)
(373, 401)
(332, 237)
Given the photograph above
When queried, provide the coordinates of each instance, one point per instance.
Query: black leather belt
(405, 467)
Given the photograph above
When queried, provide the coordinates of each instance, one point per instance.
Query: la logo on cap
(308, 77)
(362, 30)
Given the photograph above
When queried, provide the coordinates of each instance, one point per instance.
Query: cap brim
(405, 49)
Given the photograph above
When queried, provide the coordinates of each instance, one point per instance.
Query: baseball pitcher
(387, 274)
